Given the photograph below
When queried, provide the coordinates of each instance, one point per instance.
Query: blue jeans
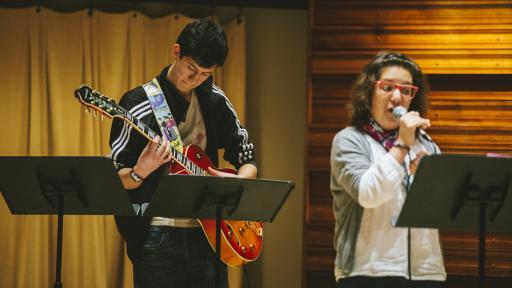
(177, 257)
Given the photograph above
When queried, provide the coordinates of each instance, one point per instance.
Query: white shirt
(381, 248)
(192, 131)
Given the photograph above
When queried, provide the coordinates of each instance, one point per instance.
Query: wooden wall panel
(465, 48)
(469, 37)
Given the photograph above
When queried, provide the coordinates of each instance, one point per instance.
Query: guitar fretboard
(176, 155)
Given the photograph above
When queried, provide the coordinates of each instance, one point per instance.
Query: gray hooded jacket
(352, 168)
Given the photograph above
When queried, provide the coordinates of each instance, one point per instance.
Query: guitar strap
(169, 129)
(163, 114)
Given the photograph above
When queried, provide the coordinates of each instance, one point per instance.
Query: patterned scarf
(386, 138)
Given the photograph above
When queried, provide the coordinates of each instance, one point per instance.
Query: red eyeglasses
(405, 90)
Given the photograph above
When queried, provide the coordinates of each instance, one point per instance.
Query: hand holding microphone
(409, 123)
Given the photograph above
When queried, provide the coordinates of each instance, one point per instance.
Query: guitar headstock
(99, 102)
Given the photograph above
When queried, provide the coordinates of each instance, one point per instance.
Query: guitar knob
(241, 230)
(251, 247)
(230, 233)
(243, 249)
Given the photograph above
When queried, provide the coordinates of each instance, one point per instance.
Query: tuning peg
(87, 110)
(102, 117)
(94, 113)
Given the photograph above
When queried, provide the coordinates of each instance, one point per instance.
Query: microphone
(399, 111)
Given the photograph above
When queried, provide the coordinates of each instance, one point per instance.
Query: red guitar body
(241, 241)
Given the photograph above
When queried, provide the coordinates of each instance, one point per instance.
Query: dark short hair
(204, 41)
(362, 89)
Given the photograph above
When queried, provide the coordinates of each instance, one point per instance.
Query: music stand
(62, 186)
(208, 197)
(457, 192)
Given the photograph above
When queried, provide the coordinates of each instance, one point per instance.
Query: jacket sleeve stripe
(135, 112)
(138, 111)
(138, 106)
(115, 153)
(245, 145)
(121, 135)
(128, 133)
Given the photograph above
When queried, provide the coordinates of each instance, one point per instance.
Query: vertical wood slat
(465, 48)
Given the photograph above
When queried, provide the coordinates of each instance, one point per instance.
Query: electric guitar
(241, 241)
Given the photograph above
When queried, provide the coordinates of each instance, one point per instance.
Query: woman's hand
(413, 166)
(409, 123)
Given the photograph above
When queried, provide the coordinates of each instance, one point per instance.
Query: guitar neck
(108, 107)
(176, 155)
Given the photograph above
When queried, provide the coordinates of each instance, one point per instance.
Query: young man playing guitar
(175, 252)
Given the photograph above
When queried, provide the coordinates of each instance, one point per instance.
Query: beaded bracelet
(402, 146)
(135, 176)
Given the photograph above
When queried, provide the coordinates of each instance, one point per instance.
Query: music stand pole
(220, 198)
(60, 228)
(481, 243)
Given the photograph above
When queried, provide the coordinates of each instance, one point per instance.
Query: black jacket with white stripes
(223, 131)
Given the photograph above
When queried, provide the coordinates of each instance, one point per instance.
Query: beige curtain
(43, 57)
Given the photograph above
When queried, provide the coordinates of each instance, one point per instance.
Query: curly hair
(204, 41)
(362, 90)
